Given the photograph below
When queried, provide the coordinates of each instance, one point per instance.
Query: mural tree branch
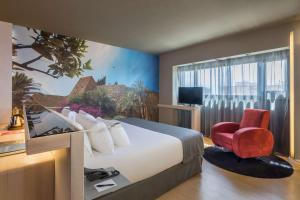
(64, 53)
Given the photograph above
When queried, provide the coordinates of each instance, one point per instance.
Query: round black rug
(263, 167)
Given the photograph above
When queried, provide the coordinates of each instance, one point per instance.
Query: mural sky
(124, 66)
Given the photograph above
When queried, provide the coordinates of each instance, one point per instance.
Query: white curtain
(233, 84)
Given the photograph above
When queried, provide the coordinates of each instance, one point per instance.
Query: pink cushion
(255, 118)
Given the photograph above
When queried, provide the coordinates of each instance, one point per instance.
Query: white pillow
(82, 112)
(86, 114)
(108, 123)
(87, 143)
(100, 119)
(86, 121)
(72, 116)
(65, 112)
(119, 135)
(100, 138)
(117, 132)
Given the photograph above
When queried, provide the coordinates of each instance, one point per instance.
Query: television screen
(190, 95)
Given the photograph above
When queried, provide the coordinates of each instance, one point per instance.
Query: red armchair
(247, 139)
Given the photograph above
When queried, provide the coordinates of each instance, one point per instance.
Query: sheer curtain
(233, 84)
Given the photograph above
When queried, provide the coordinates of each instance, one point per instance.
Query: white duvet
(148, 154)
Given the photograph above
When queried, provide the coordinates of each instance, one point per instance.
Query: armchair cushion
(222, 133)
(224, 139)
(252, 142)
(255, 118)
(225, 127)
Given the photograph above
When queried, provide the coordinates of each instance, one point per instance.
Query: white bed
(149, 154)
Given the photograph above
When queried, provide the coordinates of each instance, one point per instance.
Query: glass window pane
(240, 78)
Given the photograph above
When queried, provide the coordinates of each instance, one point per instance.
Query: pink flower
(95, 111)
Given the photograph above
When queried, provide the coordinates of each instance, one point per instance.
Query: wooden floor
(216, 183)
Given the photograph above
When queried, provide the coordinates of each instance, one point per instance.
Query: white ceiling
(154, 26)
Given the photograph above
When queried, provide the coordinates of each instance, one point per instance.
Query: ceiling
(154, 26)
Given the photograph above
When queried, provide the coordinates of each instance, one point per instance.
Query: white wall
(5, 72)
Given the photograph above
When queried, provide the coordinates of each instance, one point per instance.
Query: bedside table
(90, 192)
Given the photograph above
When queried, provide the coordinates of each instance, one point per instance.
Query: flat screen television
(190, 95)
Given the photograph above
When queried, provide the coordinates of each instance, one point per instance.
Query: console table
(194, 110)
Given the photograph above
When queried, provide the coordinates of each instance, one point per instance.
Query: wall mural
(57, 70)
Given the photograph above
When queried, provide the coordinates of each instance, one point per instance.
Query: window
(276, 78)
(246, 76)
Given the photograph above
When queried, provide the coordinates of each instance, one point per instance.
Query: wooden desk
(195, 114)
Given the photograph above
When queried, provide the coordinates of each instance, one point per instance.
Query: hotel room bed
(159, 158)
